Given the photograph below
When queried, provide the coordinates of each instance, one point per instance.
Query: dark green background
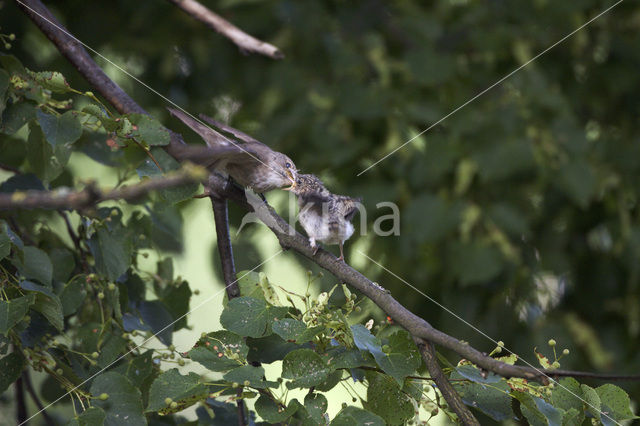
(535, 182)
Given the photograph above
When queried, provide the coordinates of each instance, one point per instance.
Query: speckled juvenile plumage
(325, 217)
(250, 163)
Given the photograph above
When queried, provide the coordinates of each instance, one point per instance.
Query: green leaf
(316, 405)
(51, 80)
(12, 311)
(269, 349)
(386, 399)
(123, 407)
(331, 381)
(250, 317)
(167, 163)
(220, 351)
(272, 412)
(60, 130)
(403, 357)
(254, 375)
(295, 331)
(47, 161)
(591, 400)
(112, 347)
(11, 367)
(112, 250)
(476, 375)
(63, 264)
(341, 357)
(156, 316)
(92, 416)
(537, 411)
(149, 131)
(184, 390)
(567, 394)
(47, 303)
(350, 416)
(615, 403)
(16, 115)
(176, 299)
(73, 295)
(493, 400)
(37, 265)
(305, 368)
(5, 241)
(140, 368)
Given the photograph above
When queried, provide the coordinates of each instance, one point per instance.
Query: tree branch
(430, 358)
(63, 198)
(29, 386)
(214, 21)
(288, 237)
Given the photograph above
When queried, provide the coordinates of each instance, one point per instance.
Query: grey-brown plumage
(250, 163)
(325, 217)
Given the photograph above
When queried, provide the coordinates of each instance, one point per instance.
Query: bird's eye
(287, 165)
(299, 182)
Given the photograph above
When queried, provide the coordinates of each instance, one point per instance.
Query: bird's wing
(212, 156)
(349, 206)
(235, 132)
(314, 200)
(210, 136)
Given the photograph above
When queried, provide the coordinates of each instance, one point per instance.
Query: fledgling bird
(250, 163)
(325, 217)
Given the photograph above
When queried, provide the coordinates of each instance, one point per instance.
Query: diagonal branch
(214, 21)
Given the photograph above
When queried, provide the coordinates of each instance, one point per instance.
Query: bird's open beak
(293, 181)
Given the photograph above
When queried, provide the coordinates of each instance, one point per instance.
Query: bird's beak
(293, 181)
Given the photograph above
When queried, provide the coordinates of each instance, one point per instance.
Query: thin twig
(91, 195)
(244, 41)
(430, 358)
(21, 406)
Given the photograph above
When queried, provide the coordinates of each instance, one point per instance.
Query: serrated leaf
(403, 357)
(295, 331)
(341, 357)
(567, 394)
(51, 80)
(11, 367)
(36, 265)
(269, 348)
(591, 400)
(305, 368)
(16, 115)
(386, 399)
(250, 317)
(72, 297)
(47, 303)
(60, 130)
(272, 412)
(476, 375)
(148, 130)
(184, 390)
(494, 400)
(350, 416)
(112, 250)
(316, 405)
(253, 375)
(220, 351)
(112, 347)
(615, 403)
(12, 311)
(47, 161)
(123, 407)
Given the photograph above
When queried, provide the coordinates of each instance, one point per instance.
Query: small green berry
(88, 93)
(501, 343)
(565, 352)
(59, 371)
(180, 362)
(196, 292)
(95, 355)
(551, 342)
(172, 348)
(7, 45)
(104, 396)
(111, 286)
(101, 295)
(555, 364)
(247, 382)
(12, 37)
(357, 309)
(173, 405)
(168, 401)
(235, 385)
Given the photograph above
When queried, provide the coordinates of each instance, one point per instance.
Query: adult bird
(249, 162)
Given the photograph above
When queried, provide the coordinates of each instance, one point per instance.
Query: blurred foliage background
(519, 213)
